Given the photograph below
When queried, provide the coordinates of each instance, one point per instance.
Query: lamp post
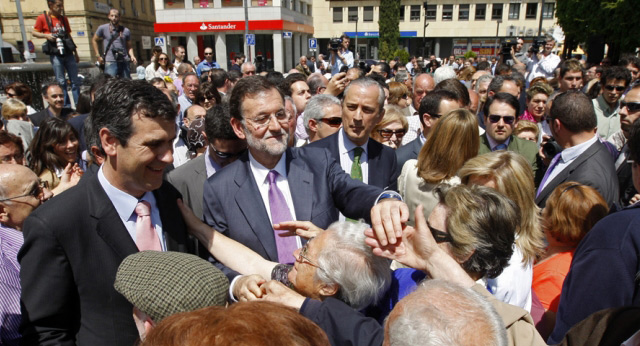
(497, 31)
(424, 32)
(355, 19)
(247, 48)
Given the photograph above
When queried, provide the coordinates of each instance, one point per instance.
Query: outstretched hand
(305, 229)
(387, 218)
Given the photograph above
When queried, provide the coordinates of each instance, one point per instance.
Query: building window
(367, 14)
(447, 12)
(152, 6)
(532, 10)
(285, 4)
(496, 12)
(143, 7)
(414, 15)
(402, 13)
(229, 3)
(431, 12)
(481, 11)
(352, 15)
(296, 8)
(309, 9)
(514, 11)
(337, 14)
(463, 12)
(170, 4)
(547, 10)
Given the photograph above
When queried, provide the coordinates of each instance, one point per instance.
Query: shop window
(514, 11)
(337, 14)
(414, 15)
(447, 12)
(463, 12)
(532, 10)
(232, 3)
(171, 4)
(367, 14)
(481, 11)
(202, 3)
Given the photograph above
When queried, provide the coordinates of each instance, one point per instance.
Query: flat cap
(161, 284)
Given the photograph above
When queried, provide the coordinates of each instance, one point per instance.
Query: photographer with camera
(117, 49)
(340, 54)
(542, 62)
(54, 27)
(516, 54)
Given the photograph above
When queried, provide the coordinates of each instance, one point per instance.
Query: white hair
(315, 107)
(443, 73)
(443, 313)
(366, 82)
(347, 261)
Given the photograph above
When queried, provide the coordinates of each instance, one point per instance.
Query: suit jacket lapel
(300, 185)
(107, 221)
(417, 146)
(250, 203)
(374, 152)
(173, 226)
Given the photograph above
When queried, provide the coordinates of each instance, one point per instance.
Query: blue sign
(313, 43)
(287, 34)
(159, 41)
(251, 39)
(80, 33)
(373, 34)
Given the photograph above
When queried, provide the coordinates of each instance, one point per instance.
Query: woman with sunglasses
(53, 155)
(164, 68)
(571, 211)
(207, 96)
(21, 92)
(391, 129)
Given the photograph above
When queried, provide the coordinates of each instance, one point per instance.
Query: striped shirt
(10, 242)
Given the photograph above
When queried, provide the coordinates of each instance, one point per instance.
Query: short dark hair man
(629, 112)
(237, 62)
(54, 95)
(342, 56)
(432, 107)
(223, 148)
(11, 149)
(68, 59)
(583, 159)
(220, 80)
(72, 248)
(179, 54)
(613, 82)
(501, 117)
(116, 48)
(571, 75)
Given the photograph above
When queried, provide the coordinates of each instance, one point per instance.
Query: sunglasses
(162, 59)
(208, 53)
(333, 122)
(508, 119)
(615, 87)
(35, 192)
(631, 106)
(386, 133)
(226, 156)
(439, 236)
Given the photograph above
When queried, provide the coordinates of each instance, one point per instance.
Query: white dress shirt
(345, 147)
(125, 205)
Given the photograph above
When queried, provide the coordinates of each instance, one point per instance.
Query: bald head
(20, 186)
(422, 85)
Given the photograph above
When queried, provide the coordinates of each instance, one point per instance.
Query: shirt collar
(347, 145)
(11, 237)
(124, 203)
(413, 110)
(260, 172)
(604, 105)
(570, 154)
(493, 143)
(211, 165)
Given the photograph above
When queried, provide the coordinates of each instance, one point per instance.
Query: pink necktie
(146, 236)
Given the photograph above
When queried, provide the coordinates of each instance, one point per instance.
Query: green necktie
(356, 168)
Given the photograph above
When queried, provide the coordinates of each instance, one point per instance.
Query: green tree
(388, 27)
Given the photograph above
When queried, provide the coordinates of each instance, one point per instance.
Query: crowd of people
(489, 202)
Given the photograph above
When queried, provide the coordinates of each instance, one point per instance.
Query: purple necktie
(553, 164)
(280, 213)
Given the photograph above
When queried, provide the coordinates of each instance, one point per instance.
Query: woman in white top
(164, 67)
(511, 174)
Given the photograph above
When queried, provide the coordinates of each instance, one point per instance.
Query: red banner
(231, 26)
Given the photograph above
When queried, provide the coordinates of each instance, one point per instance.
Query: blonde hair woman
(510, 174)
(392, 128)
(453, 141)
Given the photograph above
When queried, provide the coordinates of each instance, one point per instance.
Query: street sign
(287, 34)
(251, 39)
(313, 43)
(159, 41)
(146, 42)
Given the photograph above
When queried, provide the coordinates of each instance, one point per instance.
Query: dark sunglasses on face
(509, 119)
(631, 106)
(161, 59)
(386, 133)
(616, 87)
(226, 156)
(439, 236)
(333, 122)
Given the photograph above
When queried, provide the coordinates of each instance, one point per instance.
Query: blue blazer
(319, 189)
(383, 166)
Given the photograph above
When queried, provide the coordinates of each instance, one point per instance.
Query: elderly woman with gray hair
(335, 263)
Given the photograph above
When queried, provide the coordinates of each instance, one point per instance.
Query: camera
(506, 46)
(118, 54)
(537, 43)
(551, 148)
(335, 44)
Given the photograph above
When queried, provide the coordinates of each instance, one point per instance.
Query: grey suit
(408, 152)
(189, 180)
(594, 167)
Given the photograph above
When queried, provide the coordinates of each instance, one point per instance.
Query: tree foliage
(611, 19)
(388, 27)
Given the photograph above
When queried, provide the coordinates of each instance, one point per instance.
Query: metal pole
(247, 49)
(356, 55)
(23, 32)
(497, 32)
(1, 45)
(541, 15)
(424, 33)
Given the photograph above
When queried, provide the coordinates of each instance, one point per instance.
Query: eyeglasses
(508, 119)
(333, 122)
(226, 156)
(35, 192)
(386, 133)
(439, 236)
(631, 106)
(262, 121)
(616, 87)
(302, 255)
(9, 158)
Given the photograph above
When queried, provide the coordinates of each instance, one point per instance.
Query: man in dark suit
(272, 183)
(432, 107)
(224, 147)
(501, 116)
(362, 109)
(583, 159)
(54, 96)
(74, 244)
